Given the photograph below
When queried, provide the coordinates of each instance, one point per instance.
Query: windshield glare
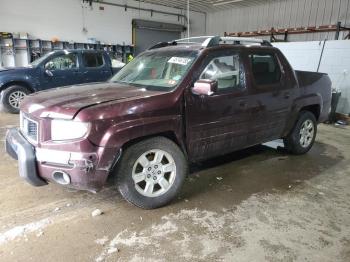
(156, 70)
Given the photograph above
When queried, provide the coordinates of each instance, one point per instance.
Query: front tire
(302, 137)
(12, 96)
(151, 173)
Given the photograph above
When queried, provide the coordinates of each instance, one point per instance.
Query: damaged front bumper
(80, 170)
(20, 149)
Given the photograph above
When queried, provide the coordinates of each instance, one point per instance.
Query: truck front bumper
(79, 170)
(20, 149)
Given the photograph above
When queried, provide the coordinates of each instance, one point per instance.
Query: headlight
(68, 129)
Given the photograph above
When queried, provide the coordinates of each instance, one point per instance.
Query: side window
(224, 69)
(92, 59)
(62, 62)
(99, 59)
(266, 70)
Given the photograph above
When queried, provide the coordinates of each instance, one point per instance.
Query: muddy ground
(258, 204)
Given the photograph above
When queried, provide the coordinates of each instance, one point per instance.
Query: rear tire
(11, 98)
(302, 137)
(150, 173)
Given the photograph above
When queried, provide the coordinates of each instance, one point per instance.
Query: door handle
(48, 73)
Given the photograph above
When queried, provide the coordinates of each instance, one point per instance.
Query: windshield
(40, 59)
(157, 70)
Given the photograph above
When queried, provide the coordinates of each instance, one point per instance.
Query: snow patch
(21, 231)
(164, 229)
(101, 241)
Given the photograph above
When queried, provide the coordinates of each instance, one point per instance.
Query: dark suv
(176, 103)
(57, 68)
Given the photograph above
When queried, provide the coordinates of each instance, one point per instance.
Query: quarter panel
(298, 104)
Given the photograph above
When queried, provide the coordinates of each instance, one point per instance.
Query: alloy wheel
(15, 98)
(154, 173)
(306, 133)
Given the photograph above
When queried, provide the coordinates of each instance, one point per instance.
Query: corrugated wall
(282, 14)
(335, 61)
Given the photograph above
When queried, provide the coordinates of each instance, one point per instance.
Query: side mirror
(205, 87)
(48, 73)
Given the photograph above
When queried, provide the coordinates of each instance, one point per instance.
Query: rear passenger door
(95, 68)
(272, 91)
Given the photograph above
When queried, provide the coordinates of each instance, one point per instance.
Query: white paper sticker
(179, 60)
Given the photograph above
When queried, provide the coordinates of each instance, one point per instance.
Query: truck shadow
(227, 180)
(260, 169)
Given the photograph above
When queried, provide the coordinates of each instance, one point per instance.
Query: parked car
(173, 104)
(57, 68)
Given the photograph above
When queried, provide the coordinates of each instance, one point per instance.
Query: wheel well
(315, 109)
(20, 83)
(168, 134)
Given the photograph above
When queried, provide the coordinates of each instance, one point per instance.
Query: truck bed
(316, 84)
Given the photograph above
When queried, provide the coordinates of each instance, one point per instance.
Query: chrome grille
(29, 128)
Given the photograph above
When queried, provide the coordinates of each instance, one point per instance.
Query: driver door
(61, 70)
(219, 123)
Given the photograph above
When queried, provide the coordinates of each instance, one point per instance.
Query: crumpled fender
(121, 133)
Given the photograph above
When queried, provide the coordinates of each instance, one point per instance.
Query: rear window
(92, 59)
(266, 70)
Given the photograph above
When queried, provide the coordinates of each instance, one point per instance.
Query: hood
(4, 69)
(66, 102)
(15, 69)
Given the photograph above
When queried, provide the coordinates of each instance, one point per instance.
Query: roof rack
(240, 40)
(162, 44)
(203, 40)
(209, 41)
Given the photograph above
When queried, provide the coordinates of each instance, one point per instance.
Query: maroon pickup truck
(178, 102)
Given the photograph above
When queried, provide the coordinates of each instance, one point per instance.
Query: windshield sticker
(179, 60)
